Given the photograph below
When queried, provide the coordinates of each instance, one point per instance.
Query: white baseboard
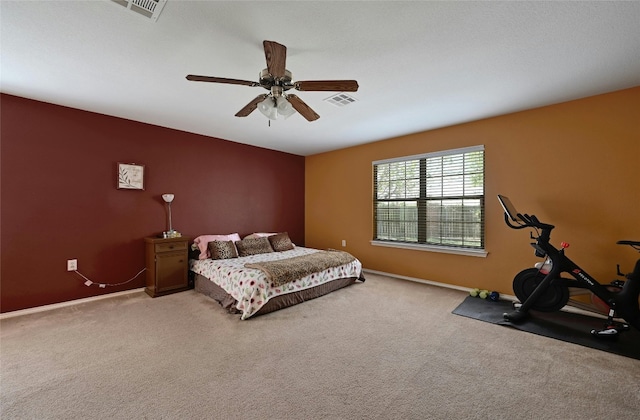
(65, 304)
(433, 283)
(510, 298)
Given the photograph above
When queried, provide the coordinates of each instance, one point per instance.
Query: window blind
(435, 199)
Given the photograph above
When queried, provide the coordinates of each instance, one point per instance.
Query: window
(431, 200)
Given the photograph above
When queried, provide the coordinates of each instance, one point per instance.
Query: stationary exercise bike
(543, 289)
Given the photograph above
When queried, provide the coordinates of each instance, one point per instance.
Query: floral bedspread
(250, 286)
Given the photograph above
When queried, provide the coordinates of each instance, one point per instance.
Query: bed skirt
(207, 287)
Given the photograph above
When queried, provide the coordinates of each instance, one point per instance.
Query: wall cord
(103, 285)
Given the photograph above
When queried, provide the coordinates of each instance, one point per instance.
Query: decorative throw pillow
(202, 242)
(258, 235)
(222, 250)
(281, 242)
(253, 246)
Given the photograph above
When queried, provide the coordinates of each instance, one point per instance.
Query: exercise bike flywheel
(553, 299)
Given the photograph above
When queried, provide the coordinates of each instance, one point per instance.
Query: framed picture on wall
(130, 176)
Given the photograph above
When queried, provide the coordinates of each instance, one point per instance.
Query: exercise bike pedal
(617, 283)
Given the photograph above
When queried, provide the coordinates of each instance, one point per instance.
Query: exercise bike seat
(632, 243)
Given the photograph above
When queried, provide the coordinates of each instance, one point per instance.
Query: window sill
(433, 248)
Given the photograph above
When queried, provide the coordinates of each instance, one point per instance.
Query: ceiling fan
(278, 80)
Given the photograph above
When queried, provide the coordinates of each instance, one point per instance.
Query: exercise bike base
(607, 333)
(515, 316)
(611, 331)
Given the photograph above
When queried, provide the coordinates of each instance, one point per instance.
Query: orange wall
(574, 165)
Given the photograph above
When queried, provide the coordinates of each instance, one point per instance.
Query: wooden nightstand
(167, 263)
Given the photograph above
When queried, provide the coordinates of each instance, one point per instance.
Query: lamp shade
(167, 197)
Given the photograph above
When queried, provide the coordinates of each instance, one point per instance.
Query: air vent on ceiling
(340, 99)
(148, 8)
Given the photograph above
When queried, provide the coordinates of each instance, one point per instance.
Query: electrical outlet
(72, 265)
(344, 242)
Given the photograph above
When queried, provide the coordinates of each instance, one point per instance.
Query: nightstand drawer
(171, 246)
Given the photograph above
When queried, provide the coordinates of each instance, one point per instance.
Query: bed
(265, 272)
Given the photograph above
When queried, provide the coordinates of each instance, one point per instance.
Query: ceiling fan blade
(276, 55)
(327, 85)
(195, 78)
(304, 109)
(251, 106)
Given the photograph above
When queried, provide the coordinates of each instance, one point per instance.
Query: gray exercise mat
(565, 326)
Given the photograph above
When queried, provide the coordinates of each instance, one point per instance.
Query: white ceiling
(420, 65)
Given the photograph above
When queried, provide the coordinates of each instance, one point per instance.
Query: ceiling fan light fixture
(268, 108)
(284, 107)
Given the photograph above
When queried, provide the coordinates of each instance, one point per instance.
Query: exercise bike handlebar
(525, 221)
(521, 220)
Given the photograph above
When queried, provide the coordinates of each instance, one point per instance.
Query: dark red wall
(59, 199)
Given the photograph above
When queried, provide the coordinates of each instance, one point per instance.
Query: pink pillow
(202, 242)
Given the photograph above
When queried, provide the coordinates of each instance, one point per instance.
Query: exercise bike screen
(509, 208)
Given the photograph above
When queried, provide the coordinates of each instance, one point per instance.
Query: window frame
(422, 200)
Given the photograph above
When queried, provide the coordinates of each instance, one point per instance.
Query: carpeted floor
(570, 327)
(383, 349)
